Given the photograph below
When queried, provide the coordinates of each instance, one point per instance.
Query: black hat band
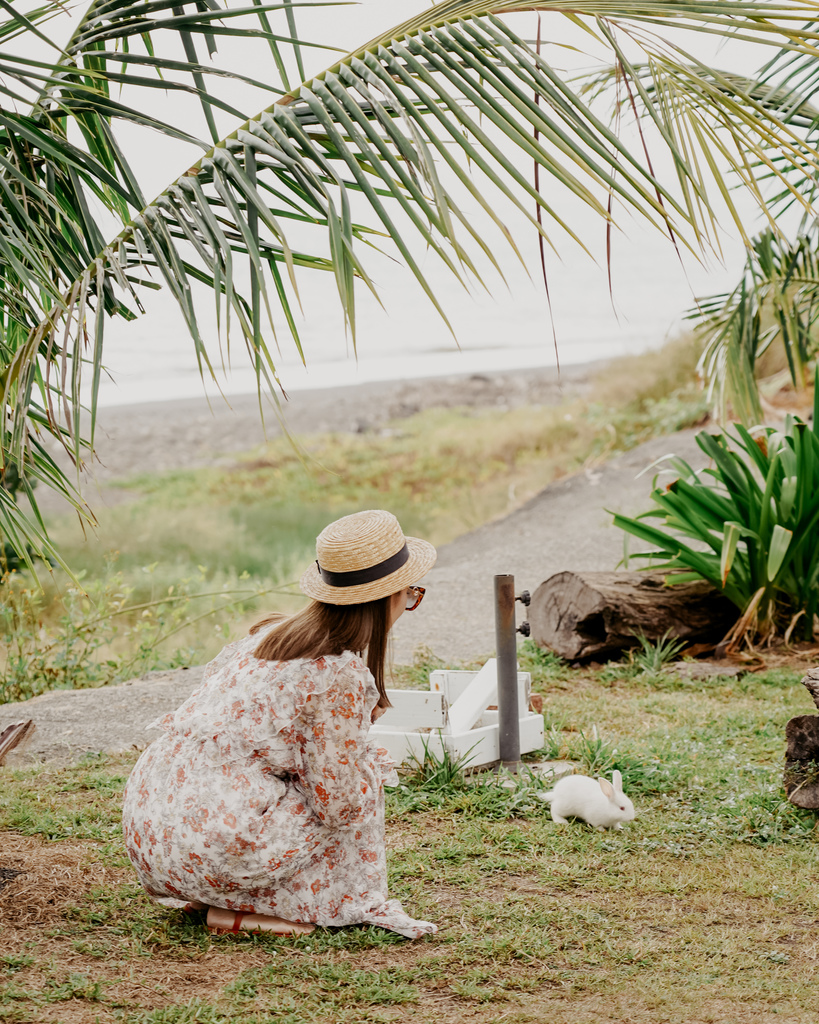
(369, 575)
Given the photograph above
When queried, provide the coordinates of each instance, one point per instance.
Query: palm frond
(24, 532)
(776, 301)
(390, 143)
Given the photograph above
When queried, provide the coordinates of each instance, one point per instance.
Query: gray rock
(706, 669)
(72, 723)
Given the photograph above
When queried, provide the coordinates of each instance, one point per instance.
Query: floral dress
(264, 795)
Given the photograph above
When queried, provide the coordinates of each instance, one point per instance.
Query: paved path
(564, 527)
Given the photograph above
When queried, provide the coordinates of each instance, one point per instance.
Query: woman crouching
(263, 800)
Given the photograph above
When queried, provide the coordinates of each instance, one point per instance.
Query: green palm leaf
(453, 103)
(776, 301)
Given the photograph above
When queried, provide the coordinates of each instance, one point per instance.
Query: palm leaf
(776, 300)
(452, 102)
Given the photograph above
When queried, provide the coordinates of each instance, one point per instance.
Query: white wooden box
(454, 716)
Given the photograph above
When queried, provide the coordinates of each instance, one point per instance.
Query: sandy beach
(159, 436)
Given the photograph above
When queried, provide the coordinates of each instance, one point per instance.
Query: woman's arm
(341, 781)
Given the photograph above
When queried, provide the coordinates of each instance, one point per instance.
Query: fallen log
(582, 615)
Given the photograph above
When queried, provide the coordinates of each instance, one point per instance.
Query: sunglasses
(415, 595)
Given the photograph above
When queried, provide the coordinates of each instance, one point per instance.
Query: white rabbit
(601, 803)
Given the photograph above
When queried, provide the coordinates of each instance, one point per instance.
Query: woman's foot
(229, 922)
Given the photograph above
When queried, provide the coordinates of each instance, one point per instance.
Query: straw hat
(363, 557)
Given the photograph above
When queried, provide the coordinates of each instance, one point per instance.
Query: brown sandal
(291, 927)
(238, 917)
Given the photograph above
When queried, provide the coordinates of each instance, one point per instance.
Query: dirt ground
(44, 886)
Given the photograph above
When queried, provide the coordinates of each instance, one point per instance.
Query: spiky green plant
(775, 302)
(654, 655)
(747, 523)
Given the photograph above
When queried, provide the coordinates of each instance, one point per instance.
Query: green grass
(703, 909)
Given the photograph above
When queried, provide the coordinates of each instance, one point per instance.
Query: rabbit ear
(606, 786)
(617, 779)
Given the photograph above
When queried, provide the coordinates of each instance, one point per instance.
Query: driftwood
(811, 682)
(802, 755)
(15, 737)
(581, 615)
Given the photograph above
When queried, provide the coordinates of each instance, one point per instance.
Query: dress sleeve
(340, 776)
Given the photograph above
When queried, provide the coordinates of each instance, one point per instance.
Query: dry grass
(654, 947)
(47, 877)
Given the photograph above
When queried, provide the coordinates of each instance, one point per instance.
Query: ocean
(153, 358)
(508, 327)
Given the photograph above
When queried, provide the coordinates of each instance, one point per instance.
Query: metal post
(506, 647)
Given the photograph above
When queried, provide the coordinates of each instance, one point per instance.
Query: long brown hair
(330, 629)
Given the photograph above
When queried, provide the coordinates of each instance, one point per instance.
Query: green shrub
(747, 525)
(102, 634)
